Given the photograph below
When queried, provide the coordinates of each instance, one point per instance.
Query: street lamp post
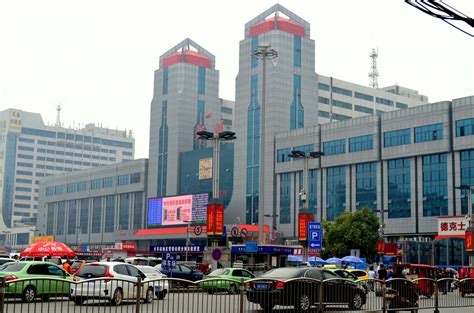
(263, 52)
(273, 217)
(296, 154)
(187, 239)
(216, 143)
(469, 213)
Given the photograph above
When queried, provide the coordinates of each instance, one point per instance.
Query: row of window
(74, 137)
(68, 145)
(363, 96)
(77, 155)
(423, 133)
(283, 154)
(95, 184)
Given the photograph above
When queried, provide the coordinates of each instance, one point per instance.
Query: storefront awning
(439, 237)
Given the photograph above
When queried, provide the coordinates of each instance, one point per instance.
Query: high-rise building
(291, 102)
(185, 100)
(31, 150)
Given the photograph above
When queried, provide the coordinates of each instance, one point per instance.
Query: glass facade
(297, 51)
(201, 80)
(399, 193)
(254, 61)
(366, 186)
(363, 96)
(429, 133)
(84, 216)
(199, 143)
(361, 143)
(285, 198)
(296, 107)
(342, 91)
(9, 179)
(165, 81)
(61, 218)
(435, 185)
(96, 215)
(334, 147)
(335, 192)
(282, 155)
(312, 193)
(138, 210)
(465, 127)
(72, 216)
(124, 211)
(50, 219)
(397, 137)
(163, 151)
(363, 109)
(109, 214)
(467, 176)
(341, 104)
(253, 154)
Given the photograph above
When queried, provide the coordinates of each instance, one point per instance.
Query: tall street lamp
(297, 154)
(216, 152)
(263, 52)
(188, 223)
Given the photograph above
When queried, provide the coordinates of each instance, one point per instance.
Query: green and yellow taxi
(30, 280)
(226, 279)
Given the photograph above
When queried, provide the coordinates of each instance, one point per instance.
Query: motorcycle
(402, 295)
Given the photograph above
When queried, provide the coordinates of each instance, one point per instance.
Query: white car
(92, 285)
(160, 286)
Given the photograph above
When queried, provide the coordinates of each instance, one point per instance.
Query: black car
(300, 288)
(183, 272)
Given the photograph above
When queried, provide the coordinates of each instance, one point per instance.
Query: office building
(31, 150)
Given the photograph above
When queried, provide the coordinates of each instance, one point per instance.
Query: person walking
(382, 274)
(372, 277)
(67, 266)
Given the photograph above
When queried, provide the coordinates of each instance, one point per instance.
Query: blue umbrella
(315, 259)
(333, 260)
(295, 258)
(351, 259)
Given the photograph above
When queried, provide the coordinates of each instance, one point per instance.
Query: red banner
(469, 240)
(129, 246)
(303, 219)
(211, 226)
(381, 246)
(219, 224)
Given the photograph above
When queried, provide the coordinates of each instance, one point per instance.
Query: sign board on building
(251, 247)
(176, 249)
(303, 220)
(315, 235)
(36, 239)
(452, 225)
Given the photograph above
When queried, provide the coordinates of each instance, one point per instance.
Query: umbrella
(295, 258)
(351, 259)
(48, 248)
(315, 259)
(333, 260)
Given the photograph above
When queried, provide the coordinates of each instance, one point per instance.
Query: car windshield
(284, 272)
(3, 261)
(76, 265)
(12, 267)
(220, 271)
(147, 270)
(92, 271)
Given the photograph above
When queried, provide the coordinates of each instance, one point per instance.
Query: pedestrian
(389, 273)
(67, 266)
(372, 277)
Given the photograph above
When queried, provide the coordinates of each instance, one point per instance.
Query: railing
(51, 295)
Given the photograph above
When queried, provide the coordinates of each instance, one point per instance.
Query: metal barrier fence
(307, 294)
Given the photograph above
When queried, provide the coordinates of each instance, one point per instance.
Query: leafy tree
(358, 230)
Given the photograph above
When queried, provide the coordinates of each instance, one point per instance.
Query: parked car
(287, 286)
(183, 272)
(231, 280)
(346, 274)
(6, 260)
(115, 290)
(150, 261)
(31, 289)
(361, 274)
(77, 264)
(161, 287)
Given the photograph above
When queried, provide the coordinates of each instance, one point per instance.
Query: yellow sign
(205, 168)
(42, 238)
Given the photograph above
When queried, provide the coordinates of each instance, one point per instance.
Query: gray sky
(97, 57)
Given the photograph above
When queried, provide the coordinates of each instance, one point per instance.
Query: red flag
(208, 116)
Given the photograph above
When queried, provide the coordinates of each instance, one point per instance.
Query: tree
(357, 230)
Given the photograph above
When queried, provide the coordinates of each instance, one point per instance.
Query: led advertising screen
(170, 211)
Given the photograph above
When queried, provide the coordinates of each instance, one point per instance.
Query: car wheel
(78, 301)
(149, 295)
(356, 302)
(232, 289)
(29, 294)
(118, 297)
(303, 304)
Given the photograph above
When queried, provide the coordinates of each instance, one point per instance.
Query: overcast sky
(97, 58)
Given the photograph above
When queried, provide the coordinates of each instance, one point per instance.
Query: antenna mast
(374, 73)
(58, 116)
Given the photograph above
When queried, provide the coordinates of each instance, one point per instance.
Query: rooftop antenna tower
(374, 73)
(58, 116)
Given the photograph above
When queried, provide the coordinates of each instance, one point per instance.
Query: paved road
(203, 303)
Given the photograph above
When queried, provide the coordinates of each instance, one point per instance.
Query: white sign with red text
(452, 225)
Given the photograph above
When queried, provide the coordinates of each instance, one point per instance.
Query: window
(72, 213)
(24, 189)
(96, 184)
(435, 185)
(296, 107)
(96, 214)
(397, 137)
(285, 198)
(465, 127)
(399, 193)
(323, 114)
(227, 122)
(124, 213)
(24, 148)
(335, 192)
(127, 153)
(135, 178)
(253, 60)
(363, 96)
(61, 218)
(24, 181)
(342, 104)
(297, 51)
(21, 197)
(401, 105)
(201, 80)
(323, 100)
(429, 133)
(27, 140)
(366, 186)
(340, 117)
(323, 86)
(361, 143)
(38, 132)
(107, 182)
(84, 216)
(24, 164)
(226, 110)
(122, 180)
(334, 147)
(305, 148)
(138, 210)
(71, 187)
(282, 155)
(363, 109)
(59, 190)
(467, 176)
(384, 101)
(165, 81)
(22, 206)
(25, 156)
(342, 91)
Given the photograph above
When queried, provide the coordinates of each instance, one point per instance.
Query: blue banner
(163, 248)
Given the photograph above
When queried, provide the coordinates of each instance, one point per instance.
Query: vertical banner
(219, 224)
(211, 226)
(469, 241)
(303, 220)
(381, 246)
